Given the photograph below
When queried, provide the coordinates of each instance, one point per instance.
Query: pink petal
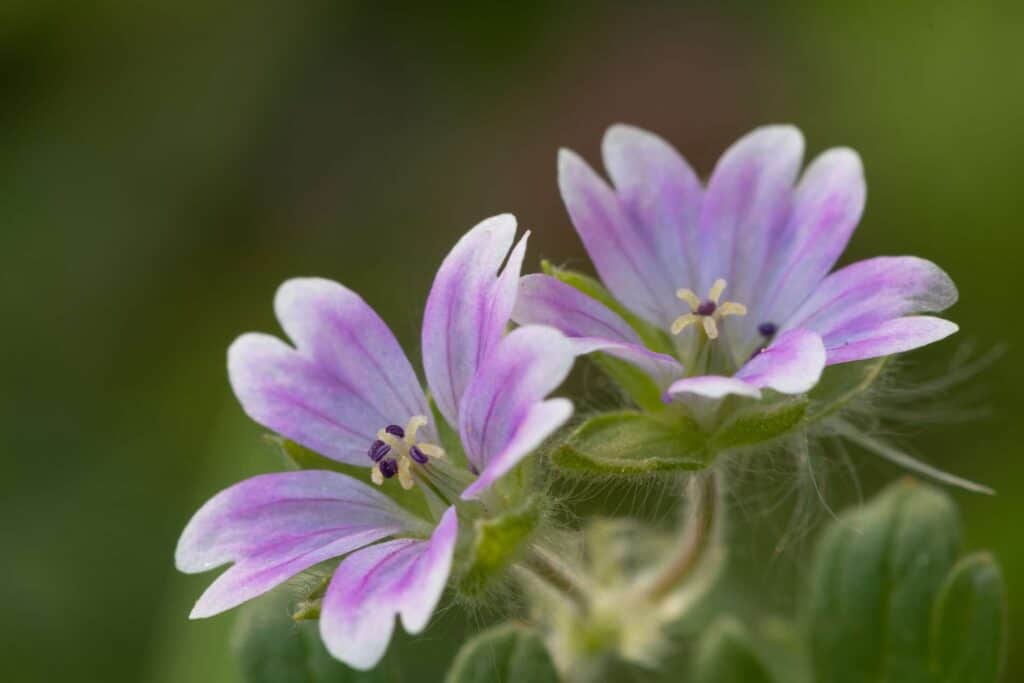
(622, 251)
(404, 577)
(346, 378)
(714, 387)
(792, 364)
(746, 205)
(827, 206)
(590, 325)
(274, 526)
(860, 300)
(469, 307)
(892, 336)
(500, 403)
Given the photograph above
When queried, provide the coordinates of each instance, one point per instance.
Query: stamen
(716, 290)
(731, 308)
(707, 312)
(395, 450)
(689, 297)
(684, 321)
(767, 329)
(378, 449)
(710, 327)
(388, 467)
(417, 454)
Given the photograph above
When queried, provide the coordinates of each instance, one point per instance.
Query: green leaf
(877, 573)
(841, 384)
(759, 423)
(271, 648)
(725, 654)
(632, 444)
(504, 654)
(497, 542)
(969, 623)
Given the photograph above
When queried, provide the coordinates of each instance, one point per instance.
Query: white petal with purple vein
(746, 205)
(274, 526)
(528, 364)
(469, 307)
(404, 577)
(863, 300)
(792, 364)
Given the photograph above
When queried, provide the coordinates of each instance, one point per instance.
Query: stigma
(707, 312)
(396, 450)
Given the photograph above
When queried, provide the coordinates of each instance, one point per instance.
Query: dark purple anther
(378, 449)
(416, 454)
(767, 329)
(395, 430)
(707, 308)
(388, 468)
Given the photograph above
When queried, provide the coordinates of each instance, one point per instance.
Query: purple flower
(737, 271)
(346, 390)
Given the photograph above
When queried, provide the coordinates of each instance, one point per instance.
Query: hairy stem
(695, 539)
(556, 575)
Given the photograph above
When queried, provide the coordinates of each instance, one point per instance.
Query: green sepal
(503, 654)
(969, 623)
(759, 423)
(629, 443)
(841, 384)
(497, 541)
(636, 383)
(300, 457)
(876, 576)
(725, 654)
(271, 648)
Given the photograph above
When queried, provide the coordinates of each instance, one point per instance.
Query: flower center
(707, 312)
(395, 450)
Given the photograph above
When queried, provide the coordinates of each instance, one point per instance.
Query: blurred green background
(164, 166)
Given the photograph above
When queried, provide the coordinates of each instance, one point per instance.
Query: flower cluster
(733, 280)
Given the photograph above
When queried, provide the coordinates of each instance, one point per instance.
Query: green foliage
(882, 571)
(271, 648)
(497, 542)
(504, 654)
(631, 444)
(969, 622)
(725, 654)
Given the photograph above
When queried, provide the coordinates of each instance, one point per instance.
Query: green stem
(696, 537)
(556, 575)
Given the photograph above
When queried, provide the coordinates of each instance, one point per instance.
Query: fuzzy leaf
(758, 424)
(497, 542)
(271, 648)
(877, 573)
(726, 655)
(969, 623)
(631, 444)
(504, 654)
